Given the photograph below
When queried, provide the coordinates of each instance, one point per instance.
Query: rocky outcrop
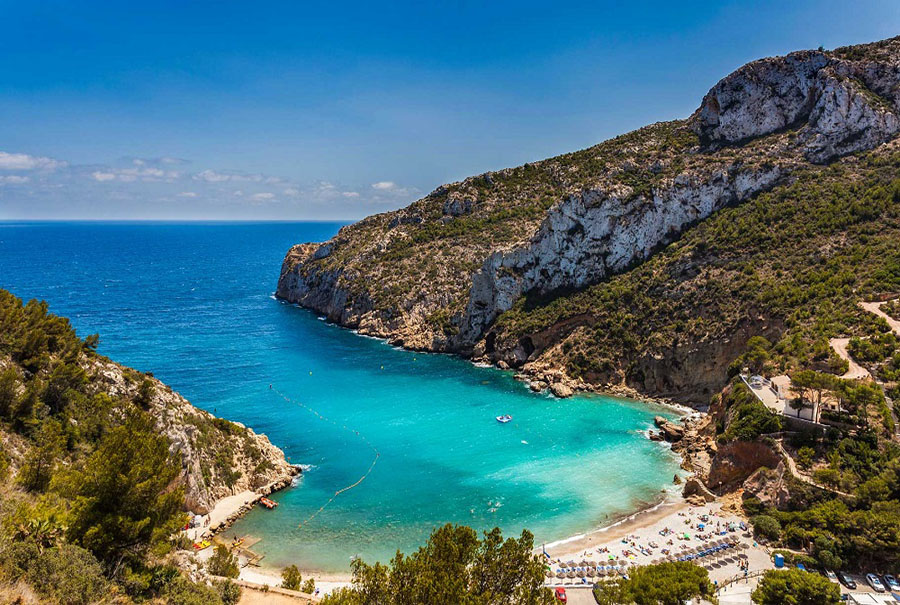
(769, 486)
(736, 461)
(670, 431)
(201, 440)
(837, 103)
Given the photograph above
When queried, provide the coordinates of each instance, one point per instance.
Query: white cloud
(187, 194)
(214, 176)
(384, 185)
(262, 197)
(13, 179)
(291, 191)
(350, 194)
(23, 161)
(211, 176)
(102, 176)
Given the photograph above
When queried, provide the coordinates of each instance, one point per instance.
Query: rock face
(600, 232)
(769, 486)
(839, 105)
(736, 461)
(438, 274)
(202, 441)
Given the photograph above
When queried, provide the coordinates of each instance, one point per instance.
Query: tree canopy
(795, 587)
(453, 568)
(671, 583)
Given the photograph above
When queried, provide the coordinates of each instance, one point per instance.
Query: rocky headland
(483, 267)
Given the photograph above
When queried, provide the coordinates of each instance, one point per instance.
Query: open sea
(193, 303)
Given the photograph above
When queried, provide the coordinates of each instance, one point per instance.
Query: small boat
(270, 504)
(504, 418)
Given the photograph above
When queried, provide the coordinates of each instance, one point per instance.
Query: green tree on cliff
(123, 503)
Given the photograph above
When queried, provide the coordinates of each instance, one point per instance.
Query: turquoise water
(193, 304)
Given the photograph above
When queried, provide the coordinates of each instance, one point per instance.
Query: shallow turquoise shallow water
(193, 304)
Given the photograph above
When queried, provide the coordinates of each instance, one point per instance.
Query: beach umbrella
(579, 573)
(549, 574)
(571, 574)
(584, 563)
(592, 563)
(561, 575)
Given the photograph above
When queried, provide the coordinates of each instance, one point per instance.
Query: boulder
(561, 390)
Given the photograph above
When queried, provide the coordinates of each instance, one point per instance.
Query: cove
(192, 303)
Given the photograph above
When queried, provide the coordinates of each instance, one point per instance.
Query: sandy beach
(673, 528)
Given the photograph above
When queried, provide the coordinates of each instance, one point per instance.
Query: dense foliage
(89, 500)
(453, 568)
(669, 583)
(795, 587)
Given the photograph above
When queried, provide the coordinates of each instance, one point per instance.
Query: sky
(336, 110)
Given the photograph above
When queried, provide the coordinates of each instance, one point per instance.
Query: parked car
(874, 582)
(561, 595)
(846, 580)
(891, 582)
(830, 575)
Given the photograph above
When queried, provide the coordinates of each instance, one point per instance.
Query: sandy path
(855, 371)
(875, 307)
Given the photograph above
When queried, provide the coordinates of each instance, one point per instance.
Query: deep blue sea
(193, 304)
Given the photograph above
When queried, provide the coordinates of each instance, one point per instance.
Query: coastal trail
(346, 428)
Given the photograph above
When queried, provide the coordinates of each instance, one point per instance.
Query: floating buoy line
(349, 430)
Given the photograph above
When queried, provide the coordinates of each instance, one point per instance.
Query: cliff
(476, 266)
(219, 458)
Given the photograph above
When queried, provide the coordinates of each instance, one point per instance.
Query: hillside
(542, 267)
(99, 464)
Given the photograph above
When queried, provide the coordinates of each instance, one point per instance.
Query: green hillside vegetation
(89, 504)
(798, 257)
(856, 456)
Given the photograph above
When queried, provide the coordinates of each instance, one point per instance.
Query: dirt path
(855, 370)
(875, 307)
(792, 467)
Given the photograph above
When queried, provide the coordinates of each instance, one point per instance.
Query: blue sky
(309, 110)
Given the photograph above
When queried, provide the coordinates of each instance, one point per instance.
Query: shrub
(309, 587)
(766, 526)
(291, 578)
(805, 457)
(223, 563)
(67, 574)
